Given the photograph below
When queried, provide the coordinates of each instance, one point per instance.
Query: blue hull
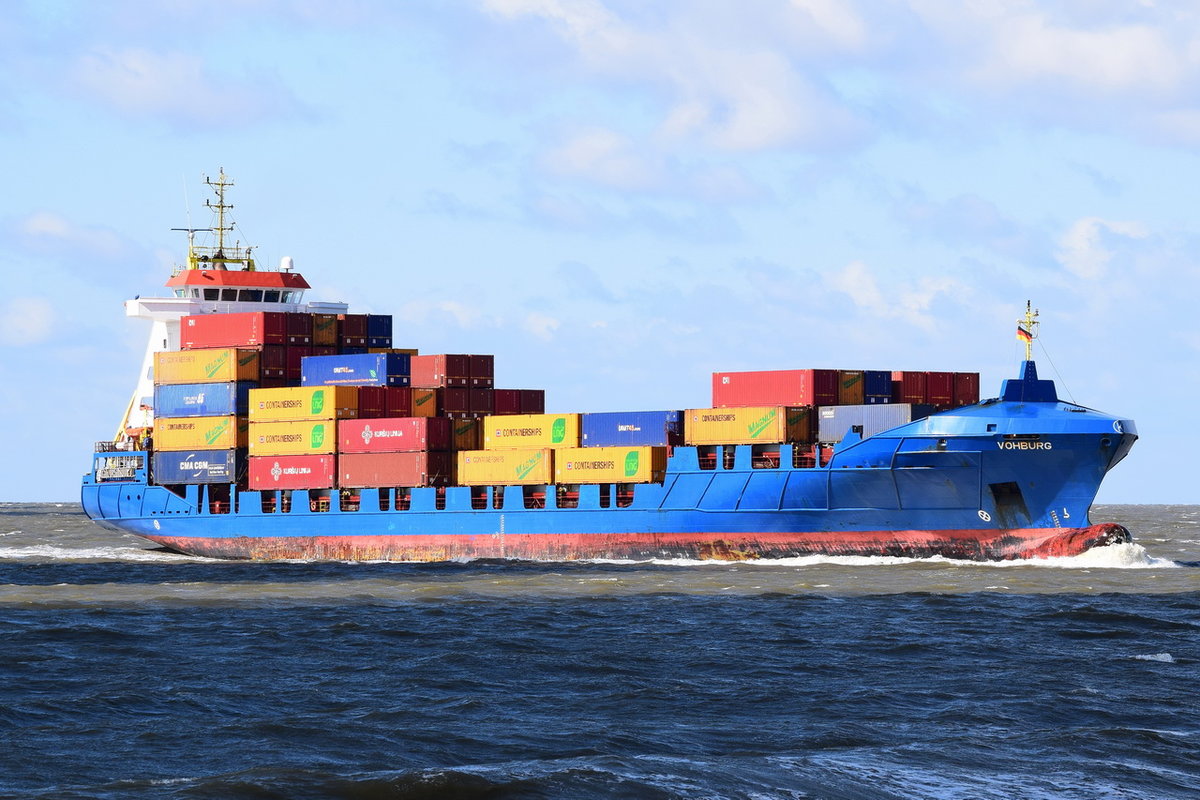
(1008, 478)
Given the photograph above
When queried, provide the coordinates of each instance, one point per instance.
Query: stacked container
(748, 425)
(396, 451)
(293, 435)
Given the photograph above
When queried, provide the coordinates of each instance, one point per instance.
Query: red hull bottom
(968, 545)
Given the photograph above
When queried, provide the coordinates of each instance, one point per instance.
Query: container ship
(266, 426)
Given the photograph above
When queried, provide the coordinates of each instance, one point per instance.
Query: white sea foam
(1166, 658)
(48, 552)
(1116, 556)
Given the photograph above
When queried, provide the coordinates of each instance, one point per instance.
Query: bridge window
(212, 294)
(229, 294)
(271, 296)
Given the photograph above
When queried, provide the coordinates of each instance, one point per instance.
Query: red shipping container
(272, 356)
(966, 388)
(292, 472)
(909, 387)
(245, 329)
(506, 401)
(482, 401)
(394, 434)
(780, 387)
(483, 371)
(299, 328)
(292, 355)
(352, 330)
(439, 371)
(324, 350)
(273, 382)
(533, 401)
(940, 389)
(456, 399)
(419, 468)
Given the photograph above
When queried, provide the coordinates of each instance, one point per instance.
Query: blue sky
(618, 198)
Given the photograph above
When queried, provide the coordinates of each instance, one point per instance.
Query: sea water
(129, 672)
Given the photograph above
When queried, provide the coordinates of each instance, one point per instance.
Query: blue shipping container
(197, 466)
(379, 325)
(202, 399)
(365, 369)
(631, 428)
(877, 386)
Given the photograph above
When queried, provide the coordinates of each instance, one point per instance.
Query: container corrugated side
(366, 369)
(851, 386)
(294, 403)
(199, 433)
(325, 330)
(877, 386)
(409, 468)
(966, 388)
(483, 371)
(631, 428)
(466, 434)
(202, 399)
(395, 434)
(530, 431)
(748, 425)
(909, 387)
(240, 329)
(439, 370)
(293, 438)
(426, 402)
(940, 389)
(610, 464)
(198, 466)
(869, 420)
(268, 473)
(208, 365)
(384, 401)
(783, 387)
(525, 466)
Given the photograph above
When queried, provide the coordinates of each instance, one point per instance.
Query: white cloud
(1082, 250)
(736, 94)
(541, 325)
(604, 157)
(26, 320)
(47, 228)
(176, 86)
(911, 304)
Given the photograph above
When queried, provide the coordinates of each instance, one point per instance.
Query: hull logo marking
(985, 516)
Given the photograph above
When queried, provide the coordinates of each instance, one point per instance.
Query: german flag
(1024, 335)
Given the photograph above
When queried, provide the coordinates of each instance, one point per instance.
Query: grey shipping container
(836, 421)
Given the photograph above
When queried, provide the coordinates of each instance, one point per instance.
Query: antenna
(1027, 327)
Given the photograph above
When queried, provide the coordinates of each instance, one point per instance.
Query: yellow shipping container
(207, 365)
(747, 425)
(530, 430)
(294, 403)
(199, 433)
(850, 387)
(610, 464)
(505, 467)
(307, 437)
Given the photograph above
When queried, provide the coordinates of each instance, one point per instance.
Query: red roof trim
(239, 278)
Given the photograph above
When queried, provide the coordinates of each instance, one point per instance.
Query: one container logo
(367, 433)
(526, 467)
(758, 426)
(318, 436)
(213, 367)
(558, 431)
(631, 463)
(214, 434)
(318, 401)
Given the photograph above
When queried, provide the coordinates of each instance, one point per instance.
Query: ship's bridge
(242, 286)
